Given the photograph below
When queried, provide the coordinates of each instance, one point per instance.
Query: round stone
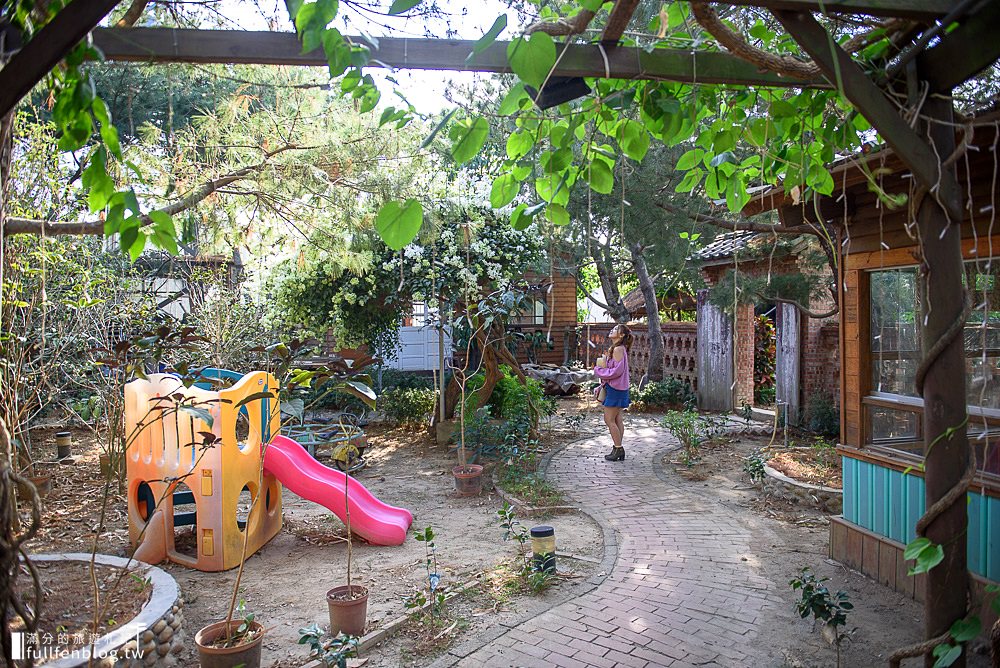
(159, 626)
(165, 635)
(176, 623)
(147, 636)
(163, 649)
(150, 659)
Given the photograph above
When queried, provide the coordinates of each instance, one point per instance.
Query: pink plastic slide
(376, 522)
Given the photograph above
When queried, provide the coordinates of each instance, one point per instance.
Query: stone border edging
(456, 654)
(162, 600)
(827, 499)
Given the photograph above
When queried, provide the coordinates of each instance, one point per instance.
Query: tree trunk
(946, 447)
(605, 266)
(654, 371)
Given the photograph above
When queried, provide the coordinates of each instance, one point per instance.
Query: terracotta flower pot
(468, 479)
(348, 609)
(245, 654)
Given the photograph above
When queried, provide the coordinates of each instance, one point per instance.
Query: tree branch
(802, 309)
(563, 27)
(735, 225)
(96, 227)
(132, 14)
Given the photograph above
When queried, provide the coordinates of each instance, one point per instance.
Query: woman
(612, 369)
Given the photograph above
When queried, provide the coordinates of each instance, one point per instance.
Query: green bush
(510, 398)
(822, 415)
(393, 378)
(692, 429)
(668, 393)
(407, 405)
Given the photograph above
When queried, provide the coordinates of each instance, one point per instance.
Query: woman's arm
(609, 373)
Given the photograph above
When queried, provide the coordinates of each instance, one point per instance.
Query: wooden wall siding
(715, 356)
(882, 559)
(889, 503)
(680, 349)
(787, 346)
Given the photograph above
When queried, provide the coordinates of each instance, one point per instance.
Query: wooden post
(715, 356)
(786, 374)
(946, 448)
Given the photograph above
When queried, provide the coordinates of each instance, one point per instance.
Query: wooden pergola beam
(621, 14)
(920, 10)
(963, 53)
(164, 45)
(844, 74)
(47, 47)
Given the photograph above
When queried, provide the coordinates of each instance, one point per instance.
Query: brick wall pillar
(744, 354)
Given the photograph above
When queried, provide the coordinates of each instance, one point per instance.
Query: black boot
(616, 455)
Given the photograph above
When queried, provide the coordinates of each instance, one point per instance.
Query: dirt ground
(284, 584)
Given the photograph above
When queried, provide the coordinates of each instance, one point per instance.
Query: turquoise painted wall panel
(889, 503)
(850, 470)
(896, 506)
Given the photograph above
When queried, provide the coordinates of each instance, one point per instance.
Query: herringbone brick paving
(684, 590)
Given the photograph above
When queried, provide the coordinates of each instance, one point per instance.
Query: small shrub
(831, 609)
(822, 415)
(765, 396)
(753, 466)
(692, 429)
(534, 579)
(661, 394)
(407, 405)
(510, 398)
(394, 378)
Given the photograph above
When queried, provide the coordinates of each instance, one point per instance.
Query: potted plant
(231, 643)
(348, 604)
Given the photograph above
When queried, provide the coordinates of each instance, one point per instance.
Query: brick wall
(680, 349)
(820, 361)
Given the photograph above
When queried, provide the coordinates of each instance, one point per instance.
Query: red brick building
(753, 254)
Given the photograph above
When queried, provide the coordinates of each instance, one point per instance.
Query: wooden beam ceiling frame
(621, 14)
(176, 45)
(965, 52)
(47, 47)
(920, 10)
(844, 73)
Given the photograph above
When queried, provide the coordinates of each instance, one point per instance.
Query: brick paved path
(683, 591)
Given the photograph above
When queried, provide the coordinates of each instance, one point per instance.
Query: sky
(424, 89)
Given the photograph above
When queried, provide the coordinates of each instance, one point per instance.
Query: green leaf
(927, 555)
(690, 180)
(690, 159)
(467, 138)
(519, 144)
(916, 546)
(402, 6)
(634, 139)
(946, 654)
(164, 231)
(725, 157)
(964, 630)
(109, 135)
(554, 188)
(491, 36)
(359, 390)
(554, 162)
(518, 220)
(557, 214)
(337, 51)
(532, 59)
(202, 414)
(398, 224)
(512, 101)
(600, 178)
(96, 181)
(504, 190)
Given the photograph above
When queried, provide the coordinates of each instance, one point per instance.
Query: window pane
(892, 425)
(982, 335)
(895, 330)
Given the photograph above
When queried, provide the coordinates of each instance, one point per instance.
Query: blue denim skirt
(615, 398)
